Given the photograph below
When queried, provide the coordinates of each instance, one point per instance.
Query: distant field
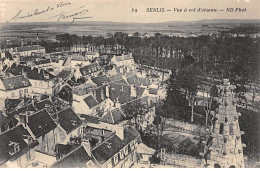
(49, 30)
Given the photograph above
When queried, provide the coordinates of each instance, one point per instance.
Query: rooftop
(40, 123)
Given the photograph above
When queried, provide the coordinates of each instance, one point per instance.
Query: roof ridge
(11, 128)
(77, 148)
(103, 141)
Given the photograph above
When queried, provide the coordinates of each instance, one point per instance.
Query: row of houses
(66, 114)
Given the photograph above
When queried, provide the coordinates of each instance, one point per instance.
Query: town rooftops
(46, 103)
(34, 74)
(83, 88)
(77, 158)
(68, 120)
(16, 82)
(134, 80)
(90, 69)
(12, 103)
(100, 80)
(39, 74)
(77, 57)
(64, 74)
(29, 48)
(7, 122)
(91, 101)
(41, 123)
(42, 61)
(91, 53)
(14, 143)
(108, 148)
(113, 116)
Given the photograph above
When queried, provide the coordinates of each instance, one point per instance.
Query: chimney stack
(133, 91)
(107, 91)
(117, 104)
(120, 131)
(102, 94)
(86, 144)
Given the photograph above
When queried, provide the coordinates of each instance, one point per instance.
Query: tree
(135, 110)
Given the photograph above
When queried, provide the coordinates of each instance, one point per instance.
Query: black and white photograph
(129, 84)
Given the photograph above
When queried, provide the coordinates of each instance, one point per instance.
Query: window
(28, 156)
(121, 154)
(126, 150)
(45, 148)
(221, 129)
(25, 91)
(115, 159)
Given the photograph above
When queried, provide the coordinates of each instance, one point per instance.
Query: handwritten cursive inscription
(75, 14)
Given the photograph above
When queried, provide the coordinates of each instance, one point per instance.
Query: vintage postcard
(129, 84)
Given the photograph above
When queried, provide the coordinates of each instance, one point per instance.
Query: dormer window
(25, 83)
(73, 122)
(46, 76)
(126, 150)
(116, 159)
(108, 144)
(28, 139)
(121, 154)
(13, 147)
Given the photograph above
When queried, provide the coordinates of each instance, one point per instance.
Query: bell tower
(223, 146)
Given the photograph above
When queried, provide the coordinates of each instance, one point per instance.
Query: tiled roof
(100, 80)
(71, 83)
(75, 159)
(69, 120)
(39, 74)
(16, 82)
(42, 61)
(90, 69)
(28, 48)
(134, 80)
(113, 117)
(89, 119)
(115, 77)
(83, 88)
(47, 103)
(91, 101)
(64, 74)
(12, 103)
(108, 148)
(91, 53)
(7, 120)
(153, 91)
(17, 135)
(41, 123)
(35, 73)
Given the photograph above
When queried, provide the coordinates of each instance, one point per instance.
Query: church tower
(223, 147)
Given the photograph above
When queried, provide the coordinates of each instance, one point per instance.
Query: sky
(120, 10)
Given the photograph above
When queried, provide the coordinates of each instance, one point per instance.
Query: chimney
(102, 135)
(86, 144)
(107, 91)
(148, 102)
(133, 91)
(24, 119)
(117, 104)
(102, 94)
(94, 93)
(120, 131)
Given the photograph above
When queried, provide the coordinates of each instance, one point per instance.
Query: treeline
(221, 55)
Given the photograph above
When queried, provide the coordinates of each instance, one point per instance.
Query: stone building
(223, 147)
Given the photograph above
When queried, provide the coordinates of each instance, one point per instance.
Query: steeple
(223, 147)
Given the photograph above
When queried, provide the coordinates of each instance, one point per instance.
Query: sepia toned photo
(129, 84)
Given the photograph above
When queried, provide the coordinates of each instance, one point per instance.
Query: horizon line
(129, 21)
